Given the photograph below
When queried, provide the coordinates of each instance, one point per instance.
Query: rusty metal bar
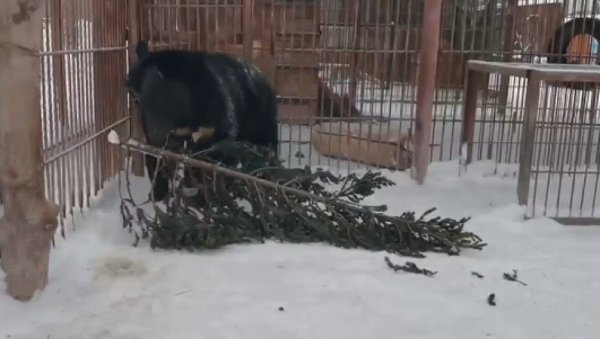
(82, 51)
(358, 14)
(133, 37)
(248, 16)
(509, 28)
(86, 141)
(469, 115)
(426, 86)
(59, 72)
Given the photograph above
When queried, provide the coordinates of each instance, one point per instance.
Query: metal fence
(345, 73)
(83, 64)
(565, 173)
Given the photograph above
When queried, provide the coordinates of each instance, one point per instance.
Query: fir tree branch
(289, 205)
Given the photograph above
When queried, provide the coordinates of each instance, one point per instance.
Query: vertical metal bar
(527, 139)
(426, 86)
(324, 56)
(104, 27)
(72, 108)
(377, 55)
(597, 171)
(447, 58)
(215, 30)
(469, 114)
(248, 28)
(317, 10)
(52, 102)
(73, 130)
(45, 104)
(592, 122)
(81, 131)
(394, 8)
(91, 147)
(361, 45)
(207, 16)
(137, 161)
(187, 10)
(62, 122)
(114, 32)
(198, 45)
(357, 29)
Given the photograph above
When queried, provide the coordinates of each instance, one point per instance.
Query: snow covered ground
(102, 287)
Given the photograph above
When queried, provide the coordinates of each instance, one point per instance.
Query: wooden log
(376, 145)
(29, 220)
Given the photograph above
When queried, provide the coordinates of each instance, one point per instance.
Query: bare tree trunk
(29, 220)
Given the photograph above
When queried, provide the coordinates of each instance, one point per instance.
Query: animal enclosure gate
(344, 70)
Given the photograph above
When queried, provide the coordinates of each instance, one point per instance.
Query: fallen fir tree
(247, 195)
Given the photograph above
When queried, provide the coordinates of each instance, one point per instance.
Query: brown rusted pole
(29, 220)
(472, 81)
(432, 16)
(248, 28)
(137, 160)
(509, 29)
(355, 56)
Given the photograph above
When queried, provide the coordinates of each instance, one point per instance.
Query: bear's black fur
(185, 89)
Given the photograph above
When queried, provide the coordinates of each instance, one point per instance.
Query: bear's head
(139, 70)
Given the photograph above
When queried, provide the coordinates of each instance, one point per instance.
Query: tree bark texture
(29, 220)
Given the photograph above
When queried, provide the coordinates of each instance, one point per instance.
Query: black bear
(181, 92)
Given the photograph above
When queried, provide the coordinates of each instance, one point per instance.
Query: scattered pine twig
(491, 299)
(478, 275)
(513, 277)
(410, 267)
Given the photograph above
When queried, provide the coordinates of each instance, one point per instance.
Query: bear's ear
(142, 50)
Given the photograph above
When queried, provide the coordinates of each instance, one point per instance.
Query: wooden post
(430, 39)
(29, 220)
